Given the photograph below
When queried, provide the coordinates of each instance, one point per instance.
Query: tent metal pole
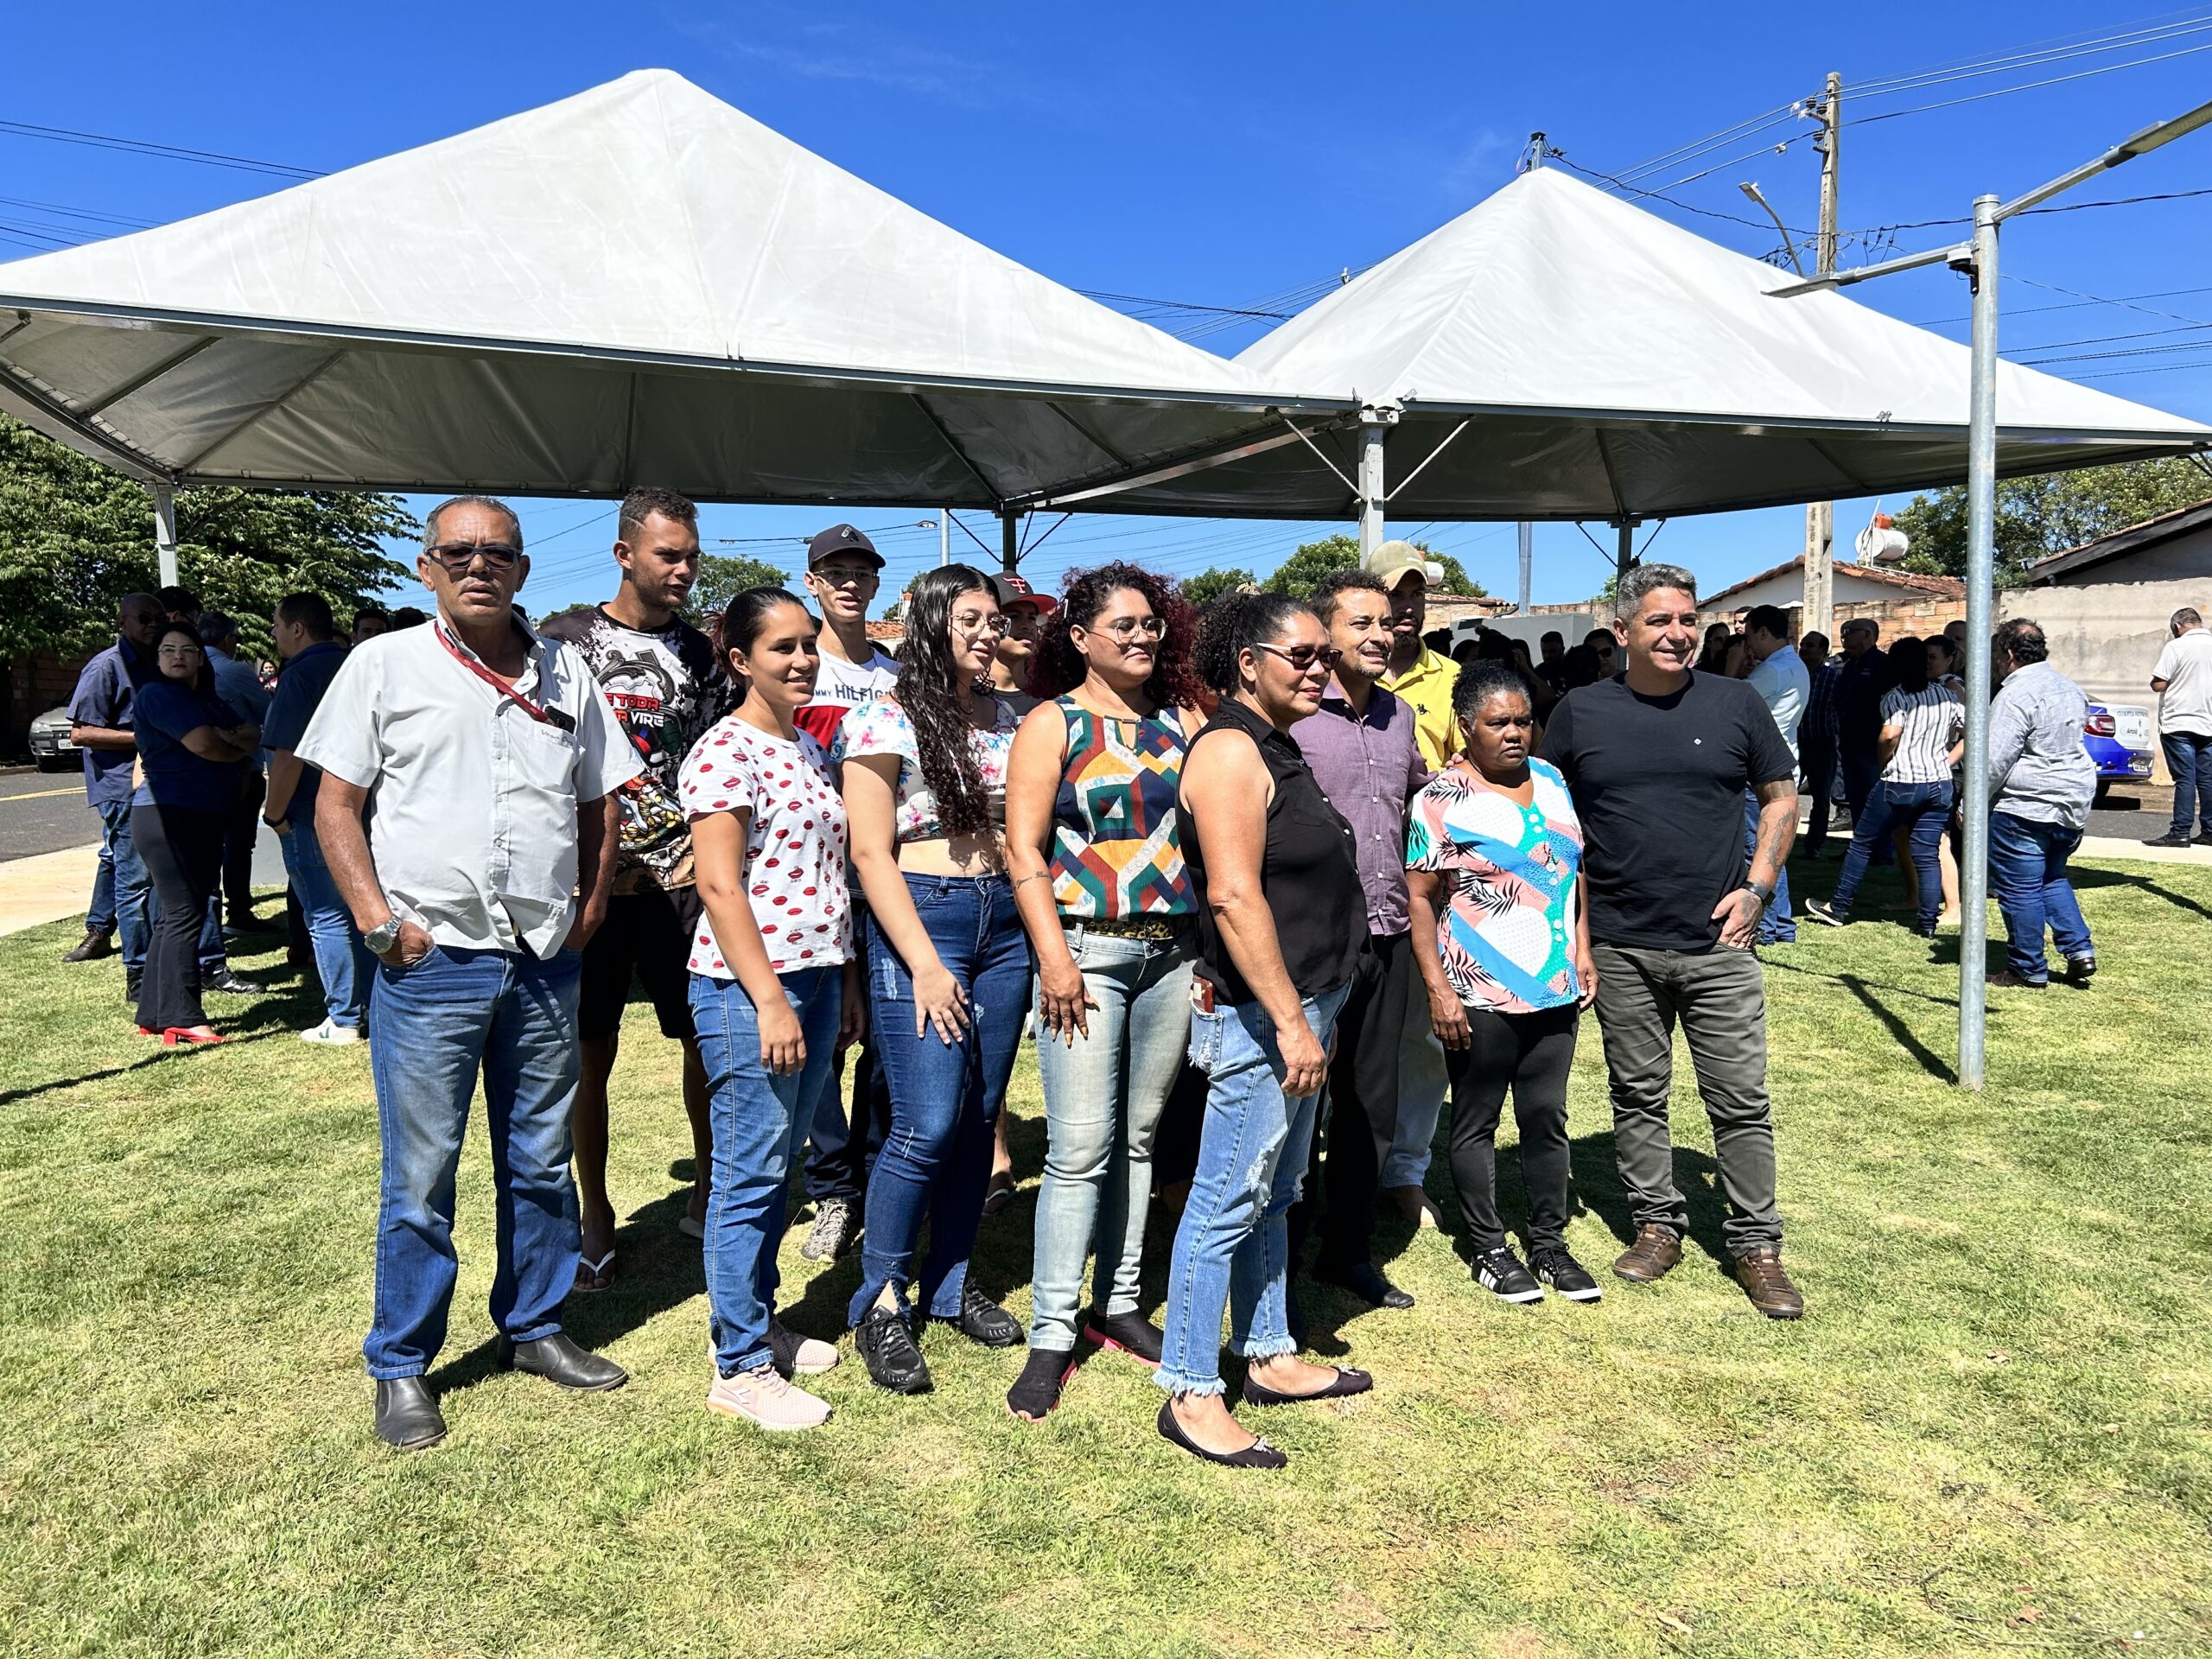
(944, 537)
(1528, 561)
(1009, 548)
(1371, 487)
(1626, 557)
(164, 531)
(1981, 507)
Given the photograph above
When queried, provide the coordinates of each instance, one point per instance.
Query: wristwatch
(1762, 890)
(381, 939)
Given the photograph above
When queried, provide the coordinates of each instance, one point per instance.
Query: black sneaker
(887, 1348)
(1037, 1391)
(980, 1319)
(831, 1236)
(1565, 1274)
(2203, 838)
(2169, 839)
(1825, 913)
(1500, 1272)
(1130, 1333)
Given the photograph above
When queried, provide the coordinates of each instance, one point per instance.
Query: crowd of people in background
(1288, 863)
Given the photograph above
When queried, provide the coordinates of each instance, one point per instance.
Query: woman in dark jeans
(190, 748)
(1494, 864)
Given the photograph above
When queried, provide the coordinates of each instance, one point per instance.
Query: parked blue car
(2118, 738)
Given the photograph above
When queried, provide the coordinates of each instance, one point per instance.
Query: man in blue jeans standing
(307, 639)
(2182, 680)
(2041, 782)
(1785, 685)
(491, 757)
(100, 724)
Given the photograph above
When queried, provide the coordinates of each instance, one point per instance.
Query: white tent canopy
(636, 284)
(1617, 366)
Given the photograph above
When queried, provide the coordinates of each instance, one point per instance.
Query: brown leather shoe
(1759, 1271)
(1652, 1256)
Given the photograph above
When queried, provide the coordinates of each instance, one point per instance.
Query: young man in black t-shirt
(1658, 758)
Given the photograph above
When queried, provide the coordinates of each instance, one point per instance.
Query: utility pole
(1527, 562)
(1820, 515)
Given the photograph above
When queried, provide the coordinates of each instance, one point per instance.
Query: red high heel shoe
(188, 1037)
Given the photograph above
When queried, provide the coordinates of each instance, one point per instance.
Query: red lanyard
(542, 716)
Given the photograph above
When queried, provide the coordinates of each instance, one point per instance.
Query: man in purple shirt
(1364, 754)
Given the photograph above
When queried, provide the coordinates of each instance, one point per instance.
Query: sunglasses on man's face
(459, 558)
(1302, 659)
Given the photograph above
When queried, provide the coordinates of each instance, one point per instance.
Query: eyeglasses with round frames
(973, 627)
(1126, 628)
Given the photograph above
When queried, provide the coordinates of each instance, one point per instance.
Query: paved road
(43, 812)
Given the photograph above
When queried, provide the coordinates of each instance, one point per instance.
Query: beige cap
(1393, 560)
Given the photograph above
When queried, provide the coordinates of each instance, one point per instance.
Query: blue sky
(1217, 155)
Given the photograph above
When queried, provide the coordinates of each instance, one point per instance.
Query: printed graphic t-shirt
(666, 688)
(840, 687)
(794, 845)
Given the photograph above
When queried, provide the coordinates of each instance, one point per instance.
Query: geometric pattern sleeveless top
(1115, 851)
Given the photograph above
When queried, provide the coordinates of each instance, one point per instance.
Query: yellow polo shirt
(1428, 686)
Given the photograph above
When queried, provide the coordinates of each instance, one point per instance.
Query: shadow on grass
(1598, 1184)
(2089, 876)
(278, 1010)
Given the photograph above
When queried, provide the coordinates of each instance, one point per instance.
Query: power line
(2026, 86)
(166, 152)
(2033, 57)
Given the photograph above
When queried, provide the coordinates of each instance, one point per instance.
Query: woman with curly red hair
(1093, 847)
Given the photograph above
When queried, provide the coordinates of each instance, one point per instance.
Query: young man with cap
(662, 679)
(843, 571)
(1422, 679)
(1025, 610)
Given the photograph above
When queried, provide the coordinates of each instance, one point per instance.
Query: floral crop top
(880, 727)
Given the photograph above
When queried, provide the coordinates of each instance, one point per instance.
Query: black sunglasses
(457, 558)
(1302, 658)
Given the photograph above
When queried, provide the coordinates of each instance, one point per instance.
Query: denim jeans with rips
(1232, 1248)
(434, 1026)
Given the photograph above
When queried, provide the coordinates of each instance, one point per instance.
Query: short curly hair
(1059, 667)
(650, 498)
(1236, 623)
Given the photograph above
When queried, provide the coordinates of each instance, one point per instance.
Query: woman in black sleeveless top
(1281, 920)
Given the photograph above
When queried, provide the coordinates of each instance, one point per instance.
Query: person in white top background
(486, 760)
(1778, 674)
(2182, 680)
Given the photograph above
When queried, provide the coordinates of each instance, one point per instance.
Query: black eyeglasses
(457, 558)
(1303, 658)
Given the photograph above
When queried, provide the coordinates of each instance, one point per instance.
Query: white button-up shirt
(472, 809)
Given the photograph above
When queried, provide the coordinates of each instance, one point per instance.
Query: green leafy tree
(1297, 575)
(2047, 514)
(723, 578)
(1212, 582)
(75, 537)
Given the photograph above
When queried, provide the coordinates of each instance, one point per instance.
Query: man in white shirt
(490, 758)
(2182, 680)
(1778, 674)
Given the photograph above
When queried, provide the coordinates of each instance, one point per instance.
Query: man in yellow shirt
(1417, 674)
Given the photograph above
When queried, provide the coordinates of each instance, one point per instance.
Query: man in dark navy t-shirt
(1658, 758)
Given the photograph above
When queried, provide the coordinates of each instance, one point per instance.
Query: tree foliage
(723, 577)
(2047, 514)
(75, 537)
(1212, 582)
(1299, 573)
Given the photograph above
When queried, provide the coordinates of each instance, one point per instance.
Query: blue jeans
(131, 890)
(1232, 1249)
(2189, 757)
(1104, 1095)
(1922, 810)
(945, 1097)
(342, 960)
(2027, 865)
(759, 1121)
(1776, 927)
(432, 1028)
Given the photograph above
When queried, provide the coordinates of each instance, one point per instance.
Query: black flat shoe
(560, 1361)
(1364, 1280)
(887, 1348)
(407, 1414)
(980, 1319)
(1127, 1333)
(1037, 1391)
(1258, 1455)
(1346, 1382)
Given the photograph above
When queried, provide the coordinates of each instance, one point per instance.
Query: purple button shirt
(1369, 767)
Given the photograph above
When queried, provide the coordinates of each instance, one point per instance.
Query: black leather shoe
(1364, 1280)
(407, 1414)
(983, 1320)
(232, 984)
(887, 1348)
(131, 978)
(560, 1361)
(91, 948)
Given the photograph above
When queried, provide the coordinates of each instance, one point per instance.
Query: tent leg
(1528, 561)
(1009, 544)
(1982, 512)
(1624, 559)
(164, 531)
(1371, 487)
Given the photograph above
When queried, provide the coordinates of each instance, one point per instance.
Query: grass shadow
(1597, 1184)
(2084, 875)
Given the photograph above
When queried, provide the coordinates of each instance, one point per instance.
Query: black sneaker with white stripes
(1500, 1272)
(1565, 1274)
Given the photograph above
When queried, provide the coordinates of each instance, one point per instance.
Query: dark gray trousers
(1719, 998)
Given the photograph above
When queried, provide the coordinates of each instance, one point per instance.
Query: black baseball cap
(842, 538)
(1016, 590)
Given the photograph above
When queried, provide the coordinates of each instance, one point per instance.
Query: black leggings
(1532, 1053)
(183, 854)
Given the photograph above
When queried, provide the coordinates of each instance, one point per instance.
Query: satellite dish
(1881, 542)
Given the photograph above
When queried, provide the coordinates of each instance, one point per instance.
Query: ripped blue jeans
(1232, 1249)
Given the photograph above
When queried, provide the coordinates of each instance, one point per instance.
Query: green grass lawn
(1989, 1432)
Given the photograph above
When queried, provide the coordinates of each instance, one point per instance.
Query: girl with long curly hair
(925, 787)
(1094, 847)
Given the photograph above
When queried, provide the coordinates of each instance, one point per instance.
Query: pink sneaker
(764, 1399)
